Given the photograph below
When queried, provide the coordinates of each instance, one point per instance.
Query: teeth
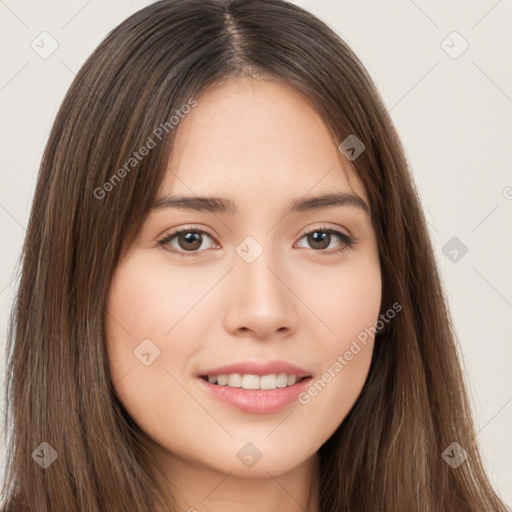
(248, 381)
(235, 380)
(282, 380)
(292, 379)
(268, 382)
(251, 382)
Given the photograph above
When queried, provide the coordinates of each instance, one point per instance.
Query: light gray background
(454, 116)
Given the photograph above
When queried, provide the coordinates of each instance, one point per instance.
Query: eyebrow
(221, 205)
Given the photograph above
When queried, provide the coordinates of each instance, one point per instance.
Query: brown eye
(325, 238)
(319, 239)
(189, 241)
(186, 240)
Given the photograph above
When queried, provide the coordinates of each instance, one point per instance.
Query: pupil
(322, 238)
(193, 240)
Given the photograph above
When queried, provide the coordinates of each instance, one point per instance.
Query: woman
(228, 296)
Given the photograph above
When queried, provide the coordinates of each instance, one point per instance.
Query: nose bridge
(260, 301)
(254, 265)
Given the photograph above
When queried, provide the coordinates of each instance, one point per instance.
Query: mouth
(255, 382)
(256, 394)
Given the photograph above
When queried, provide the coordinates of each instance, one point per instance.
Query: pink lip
(258, 368)
(256, 400)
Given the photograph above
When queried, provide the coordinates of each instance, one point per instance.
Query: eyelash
(347, 241)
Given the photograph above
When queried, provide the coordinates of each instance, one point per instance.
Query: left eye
(320, 239)
(188, 242)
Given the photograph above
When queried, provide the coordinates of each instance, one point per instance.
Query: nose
(260, 302)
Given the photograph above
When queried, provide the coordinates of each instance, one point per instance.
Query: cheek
(151, 300)
(147, 307)
(347, 301)
(349, 310)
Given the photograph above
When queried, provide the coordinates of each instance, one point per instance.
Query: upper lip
(258, 368)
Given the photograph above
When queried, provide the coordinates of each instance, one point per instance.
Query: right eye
(185, 241)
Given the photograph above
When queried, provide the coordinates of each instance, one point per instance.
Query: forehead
(256, 138)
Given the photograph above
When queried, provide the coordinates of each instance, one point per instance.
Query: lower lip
(256, 400)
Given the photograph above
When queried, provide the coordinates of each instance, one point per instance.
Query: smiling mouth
(254, 382)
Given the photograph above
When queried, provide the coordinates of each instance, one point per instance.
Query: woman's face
(269, 290)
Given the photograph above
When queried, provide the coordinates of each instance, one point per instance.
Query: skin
(260, 144)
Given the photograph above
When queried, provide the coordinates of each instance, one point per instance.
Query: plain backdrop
(444, 72)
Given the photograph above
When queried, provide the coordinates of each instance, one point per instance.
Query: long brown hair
(387, 453)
